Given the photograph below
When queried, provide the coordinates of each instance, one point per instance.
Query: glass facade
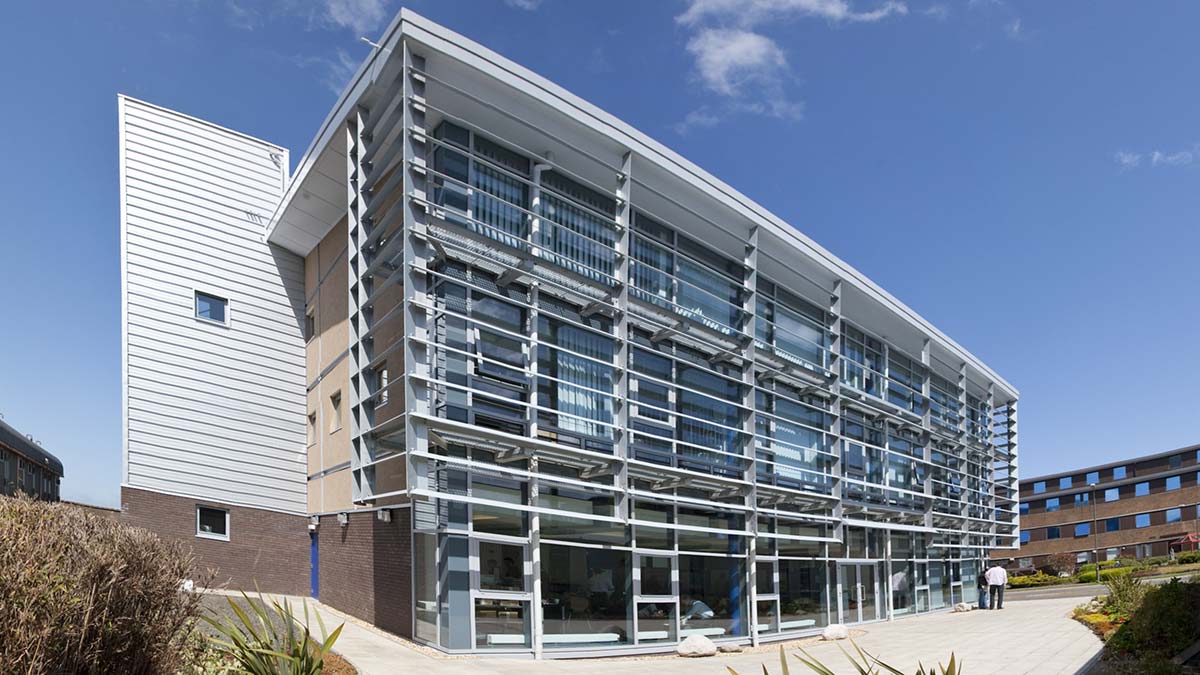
(622, 431)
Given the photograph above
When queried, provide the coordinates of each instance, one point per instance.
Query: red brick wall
(366, 568)
(265, 548)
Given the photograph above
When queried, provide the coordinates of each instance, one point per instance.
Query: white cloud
(1155, 158)
(728, 59)
(939, 12)
(756, 12)
(1127, 160)
(1181, 158)
(527, 5)
(1013, 28)
(359, 16)
(699, 118)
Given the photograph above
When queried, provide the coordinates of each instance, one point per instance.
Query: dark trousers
(997, 592)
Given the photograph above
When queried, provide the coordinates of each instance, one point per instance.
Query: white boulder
(835, 631)
(696, 645)
(729, 648)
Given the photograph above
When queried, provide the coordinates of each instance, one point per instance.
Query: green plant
(1125, 593)
(1038, 579)
(84, 594)
(863, 662)
(272, 643)
(1089, 575)
(1165, 622)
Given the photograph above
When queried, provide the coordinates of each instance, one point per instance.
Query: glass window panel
(586, 596)
(802, 594)
(656, 575)
(1173, 482)
(656, 622)
(712, 596)
(210, 307)
(1083, 529)
(501, 624)
(1039, 487)
(1142, 489)
(1112, 525)
(1052, 533)
(1142, 520)
(501, 566)
(1093, 477)
(1052, 504)
(1119, 473)
(1112, 494)
(1174, 515)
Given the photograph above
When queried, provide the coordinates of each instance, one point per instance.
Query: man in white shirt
(996, 578)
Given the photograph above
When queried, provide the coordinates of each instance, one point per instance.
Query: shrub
(84, 594)
(1188, 558)
(1038, 579)
(1088, 576)
(1125, 593)
(1167, 621)
(272, 642)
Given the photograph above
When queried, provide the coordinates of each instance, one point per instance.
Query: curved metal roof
(20, 444)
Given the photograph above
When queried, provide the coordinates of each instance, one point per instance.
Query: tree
(1062, 564)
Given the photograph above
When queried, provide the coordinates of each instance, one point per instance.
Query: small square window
(1141, 520)
(335, 417)
(1119, 473)
(1083, 499)
(1024, 508)
(212, 308)
(1051, 504)
(1083, 529)
(1039, 487)
(1173, 483)
(1093, 477)
(1111, 553)
(1176, 461)
(212, 523)
(1174, 515)
(1112, 525)
(310, 325)
(1024, 536)
(1052, 533)
(1112, 495)
(1064, 483)
(1141, 489)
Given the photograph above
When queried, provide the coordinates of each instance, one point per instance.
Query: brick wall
(366, 568)
(265, 548)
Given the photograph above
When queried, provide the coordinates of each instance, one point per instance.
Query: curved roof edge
(31, 451)
(507, 71)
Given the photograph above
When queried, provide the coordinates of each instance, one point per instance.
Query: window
(1172, 483)
(1083, 529)
(335, 418)
(1052, 533)
(1141, 489)
(1174, 515)
(1112, 495)
(1175, 461)
(1082, 558)
(1051, 504)
(1112, 525)
(1092, 477)
(381, 380)
(312, 428)
(1024, 508)
(1039, 487)
(212, 523)
(1111, 553)
(1141, 520)
(310, 325)
(212, 308)
(1083, 499)
(1119, 473)
(1064, 483)
(1024, 536)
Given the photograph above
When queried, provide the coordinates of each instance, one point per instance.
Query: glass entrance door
(858, 591)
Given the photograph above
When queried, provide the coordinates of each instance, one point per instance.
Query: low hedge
(1166, 622)
(1088, 576)
(84, 594)
(1038, 579)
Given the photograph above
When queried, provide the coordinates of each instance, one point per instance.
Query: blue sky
(1022, 174)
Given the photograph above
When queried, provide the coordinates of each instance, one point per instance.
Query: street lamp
(1095, 534)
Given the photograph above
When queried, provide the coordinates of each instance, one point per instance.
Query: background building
(25, 467)
(539, 384)
(1134, 508)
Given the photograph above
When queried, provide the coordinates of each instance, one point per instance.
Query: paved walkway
(1027, 636)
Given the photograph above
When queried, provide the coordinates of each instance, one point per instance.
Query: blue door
(314, 566)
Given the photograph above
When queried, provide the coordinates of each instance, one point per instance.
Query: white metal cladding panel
(210, 411)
